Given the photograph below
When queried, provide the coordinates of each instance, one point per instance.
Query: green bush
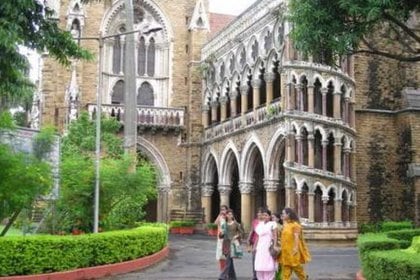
(379, 242)
(185, 223)
(393, 264)
(390, 226)
(212, 226)
(406, 234)
(388, 255)
(384, 226)
(44, 254)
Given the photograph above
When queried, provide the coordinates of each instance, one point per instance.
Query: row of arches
(145, 96)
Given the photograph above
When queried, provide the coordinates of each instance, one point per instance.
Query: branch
(404, 27)
(373, 50)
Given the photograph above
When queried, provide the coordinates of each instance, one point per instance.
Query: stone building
(241, 118)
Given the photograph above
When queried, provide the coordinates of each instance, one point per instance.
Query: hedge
(388, 255)
(385, 226)
(44, 254)
(390, 265)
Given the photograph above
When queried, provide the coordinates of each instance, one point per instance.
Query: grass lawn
(12, 231)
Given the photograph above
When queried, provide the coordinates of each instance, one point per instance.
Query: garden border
(97, 271)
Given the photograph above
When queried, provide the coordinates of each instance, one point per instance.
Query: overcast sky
(232, 7)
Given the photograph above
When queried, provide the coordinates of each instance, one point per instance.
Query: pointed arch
(251, 149)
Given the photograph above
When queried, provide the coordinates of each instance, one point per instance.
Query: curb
(359, 275)
(98, 271)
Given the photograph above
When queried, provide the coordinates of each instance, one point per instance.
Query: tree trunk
(10, 223)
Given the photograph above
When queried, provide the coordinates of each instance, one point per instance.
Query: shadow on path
(193, 257)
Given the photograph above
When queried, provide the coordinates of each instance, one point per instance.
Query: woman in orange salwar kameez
(294, 251)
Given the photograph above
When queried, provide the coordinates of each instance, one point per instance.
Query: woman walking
(265, 264)
(294, 251)
(221, 224)
(231, 234)
(276, 217)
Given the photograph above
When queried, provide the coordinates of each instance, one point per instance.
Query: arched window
(141, 57)
(145, 95)
(118, 93)
(151, 58)
(116, 56)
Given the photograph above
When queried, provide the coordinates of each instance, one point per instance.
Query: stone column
(206, 193)
(337, 211)
(205, 116)
(246, 207)
(337, 105)
(311, 150)
(214, 105)
(162, 204)
(223, 108)
(299, 92)
(271, 187)
(311, 99)
(311, 207)
(290, 193)
(353, 213)
(224, 191)
(290, 147)
(324, 92)
(324, 211)
(244, 99)
(256, 84)
(337, 156)
(324, 154)
(346, 162)
(299, 149)
(346, 110)
(352, 116)
(233, 104)
(290, 97)
(299, 201)
(269, 78)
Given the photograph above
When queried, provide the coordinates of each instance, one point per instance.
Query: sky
(231, 7)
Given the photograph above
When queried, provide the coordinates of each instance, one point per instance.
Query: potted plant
(212, 229)
(186, 227)
(174, 227)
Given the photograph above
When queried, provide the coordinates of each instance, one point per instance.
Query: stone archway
(163, 179)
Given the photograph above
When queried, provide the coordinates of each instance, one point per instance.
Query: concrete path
(193, 258)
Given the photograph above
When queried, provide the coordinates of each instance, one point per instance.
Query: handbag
(274, 250)
(237, 251)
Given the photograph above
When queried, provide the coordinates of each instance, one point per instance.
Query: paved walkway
(193, 258)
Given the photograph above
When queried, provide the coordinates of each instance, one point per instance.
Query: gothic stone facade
(242, 119)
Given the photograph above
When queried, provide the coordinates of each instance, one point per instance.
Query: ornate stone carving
(245, 187)
(207, 190)
(271, 185)
(224, 189)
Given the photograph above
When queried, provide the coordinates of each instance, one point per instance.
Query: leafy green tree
(28, 23)
(328, 29)
(23, 178)
(123, 191)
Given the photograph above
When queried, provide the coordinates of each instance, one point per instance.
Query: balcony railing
(146, 116)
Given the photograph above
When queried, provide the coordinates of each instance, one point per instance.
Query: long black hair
(292, 214)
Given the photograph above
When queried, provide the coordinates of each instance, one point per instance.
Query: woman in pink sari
(265, 264)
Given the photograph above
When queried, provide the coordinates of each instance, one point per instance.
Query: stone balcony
(153, 117)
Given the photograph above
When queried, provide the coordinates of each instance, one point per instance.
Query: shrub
(393, 264)
(406, 234)
(390, 226)
(185, 223)
(44, 254)
(212, 226)
(379, 241)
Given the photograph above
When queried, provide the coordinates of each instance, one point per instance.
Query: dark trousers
(254, 273)
(229, 272)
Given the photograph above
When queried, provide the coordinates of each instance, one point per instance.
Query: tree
(329, 29)
(123, 191)
(28, 23)
(23, 178)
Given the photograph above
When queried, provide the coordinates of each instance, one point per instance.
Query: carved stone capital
(214, 104)
(256, 83)
(324, 91)
(223, 99)
(224, 189)
(245, 187)
(207, 190)
(244, 90)
(271, 185)
(269, 77)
